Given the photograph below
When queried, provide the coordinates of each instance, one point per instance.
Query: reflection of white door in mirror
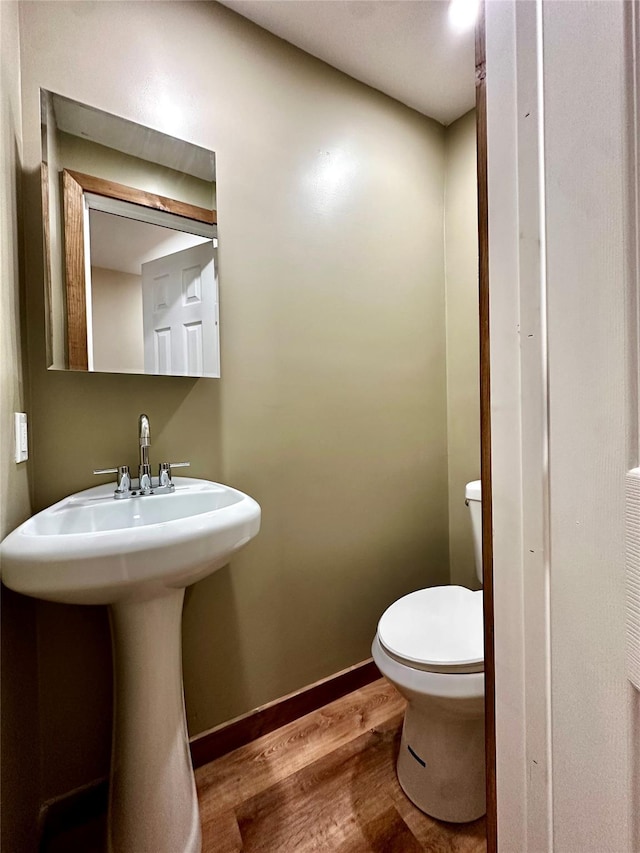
(180, 313)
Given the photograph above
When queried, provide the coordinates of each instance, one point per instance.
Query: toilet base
(441, 764)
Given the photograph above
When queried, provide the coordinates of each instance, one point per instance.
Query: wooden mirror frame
(74, 187)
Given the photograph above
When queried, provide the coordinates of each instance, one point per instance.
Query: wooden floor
(325, 782)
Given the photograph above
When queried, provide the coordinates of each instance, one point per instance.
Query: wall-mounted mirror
(130, 237)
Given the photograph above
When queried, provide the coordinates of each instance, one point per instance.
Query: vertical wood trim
(632, 11)
(633, 291)
(74, 272)
(485, 434)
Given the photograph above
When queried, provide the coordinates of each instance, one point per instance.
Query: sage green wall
(331, 410)
(463, 370)
(19, 756)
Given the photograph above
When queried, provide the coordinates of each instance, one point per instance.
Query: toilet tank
(472, 495)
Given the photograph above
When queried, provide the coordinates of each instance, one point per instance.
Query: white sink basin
(92, 549)
(137, 555)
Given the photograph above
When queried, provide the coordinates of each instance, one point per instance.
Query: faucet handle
(123, 479)
(164, 471)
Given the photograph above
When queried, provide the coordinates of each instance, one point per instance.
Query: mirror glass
(130, 238)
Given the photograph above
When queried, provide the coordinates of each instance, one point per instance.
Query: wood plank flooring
(323, 783)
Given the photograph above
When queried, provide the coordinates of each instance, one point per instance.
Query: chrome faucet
(144, 469)
(128, 488)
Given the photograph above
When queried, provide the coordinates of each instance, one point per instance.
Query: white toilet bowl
(430, 646)
(441, 760)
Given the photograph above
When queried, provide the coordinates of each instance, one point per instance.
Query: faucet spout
(145, 439)
(144, 469)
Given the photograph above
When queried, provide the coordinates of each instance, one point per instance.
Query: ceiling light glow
(463, 14)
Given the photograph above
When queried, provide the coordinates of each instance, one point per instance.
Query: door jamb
(485, 434)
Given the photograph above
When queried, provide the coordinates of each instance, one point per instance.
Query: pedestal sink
(137, 556)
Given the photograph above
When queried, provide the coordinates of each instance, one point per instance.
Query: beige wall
(331, 410)
(116, 302)
(463, 370)
(54, 247)
(89, 157)
(19, 759)
(14, 487)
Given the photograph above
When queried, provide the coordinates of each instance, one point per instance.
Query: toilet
(430, 646)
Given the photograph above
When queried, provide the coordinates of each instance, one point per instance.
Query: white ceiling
(404, 48)
(124, 244)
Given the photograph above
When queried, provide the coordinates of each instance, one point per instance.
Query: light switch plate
(21, 438)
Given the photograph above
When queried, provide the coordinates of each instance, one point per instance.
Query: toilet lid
(439, 629)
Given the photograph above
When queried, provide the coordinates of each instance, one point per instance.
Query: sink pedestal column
(153, 806)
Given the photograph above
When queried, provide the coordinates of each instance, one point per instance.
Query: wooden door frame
(485, 434)
(74, 187)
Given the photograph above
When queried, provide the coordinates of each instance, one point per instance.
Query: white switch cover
(22, 444)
